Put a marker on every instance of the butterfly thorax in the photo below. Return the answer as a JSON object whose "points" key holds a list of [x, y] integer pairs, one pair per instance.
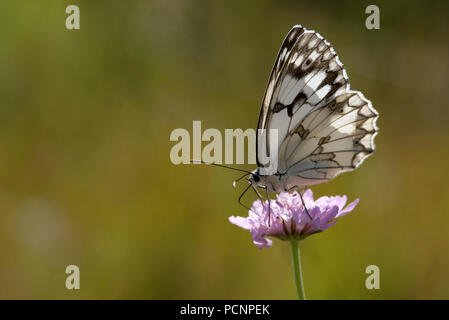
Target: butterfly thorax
{"points": [[278, 182]]}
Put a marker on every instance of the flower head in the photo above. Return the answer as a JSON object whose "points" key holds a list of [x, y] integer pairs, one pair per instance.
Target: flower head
{"points": [[289, 219]]}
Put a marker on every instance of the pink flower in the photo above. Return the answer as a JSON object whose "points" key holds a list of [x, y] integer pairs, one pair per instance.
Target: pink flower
{"points": [[289, 219]]}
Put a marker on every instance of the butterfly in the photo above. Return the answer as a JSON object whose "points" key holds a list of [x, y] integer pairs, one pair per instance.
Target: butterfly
{"points": [[323, 128], [311, 126]]}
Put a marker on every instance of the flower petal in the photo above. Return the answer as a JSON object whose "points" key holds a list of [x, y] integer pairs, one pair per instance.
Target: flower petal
{"points": [[240, 222], [289, 218], [261, 241], [348, 208]]}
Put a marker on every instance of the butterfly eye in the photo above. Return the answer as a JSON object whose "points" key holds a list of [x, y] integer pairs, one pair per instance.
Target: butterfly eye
{"points": [[256, 178]]}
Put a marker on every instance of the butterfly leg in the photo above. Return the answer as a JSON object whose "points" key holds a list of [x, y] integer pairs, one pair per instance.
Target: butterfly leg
{"points": [[258, 194], [302, 200], [241, 196], [303, 203], [243, 193], [269, 203]]}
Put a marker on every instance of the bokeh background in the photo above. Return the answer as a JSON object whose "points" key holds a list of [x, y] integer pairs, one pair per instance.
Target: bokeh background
{"points": [[86, 177]]}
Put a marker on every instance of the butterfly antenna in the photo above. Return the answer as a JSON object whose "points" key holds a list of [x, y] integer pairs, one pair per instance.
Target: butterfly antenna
{"points": [[220, 165]]}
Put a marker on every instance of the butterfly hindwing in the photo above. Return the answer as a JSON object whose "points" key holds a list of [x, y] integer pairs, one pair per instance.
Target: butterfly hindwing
{"points": [[339, 136]]}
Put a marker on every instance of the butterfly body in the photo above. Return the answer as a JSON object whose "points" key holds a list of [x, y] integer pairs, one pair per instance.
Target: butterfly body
{"points": [[279, 182], [322, 127]]}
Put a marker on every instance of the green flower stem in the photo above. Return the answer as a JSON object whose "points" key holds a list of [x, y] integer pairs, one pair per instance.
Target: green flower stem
{"points": [[297, 269]]}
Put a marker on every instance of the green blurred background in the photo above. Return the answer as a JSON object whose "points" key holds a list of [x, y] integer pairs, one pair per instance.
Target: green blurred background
{"points": [[85, 173]]}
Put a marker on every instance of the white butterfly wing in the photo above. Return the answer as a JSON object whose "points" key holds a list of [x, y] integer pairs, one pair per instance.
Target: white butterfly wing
{"points": [[323, 128]]}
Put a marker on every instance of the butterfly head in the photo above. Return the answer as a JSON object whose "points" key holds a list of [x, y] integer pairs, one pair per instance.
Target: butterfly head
{"points": [[255, 178]]}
